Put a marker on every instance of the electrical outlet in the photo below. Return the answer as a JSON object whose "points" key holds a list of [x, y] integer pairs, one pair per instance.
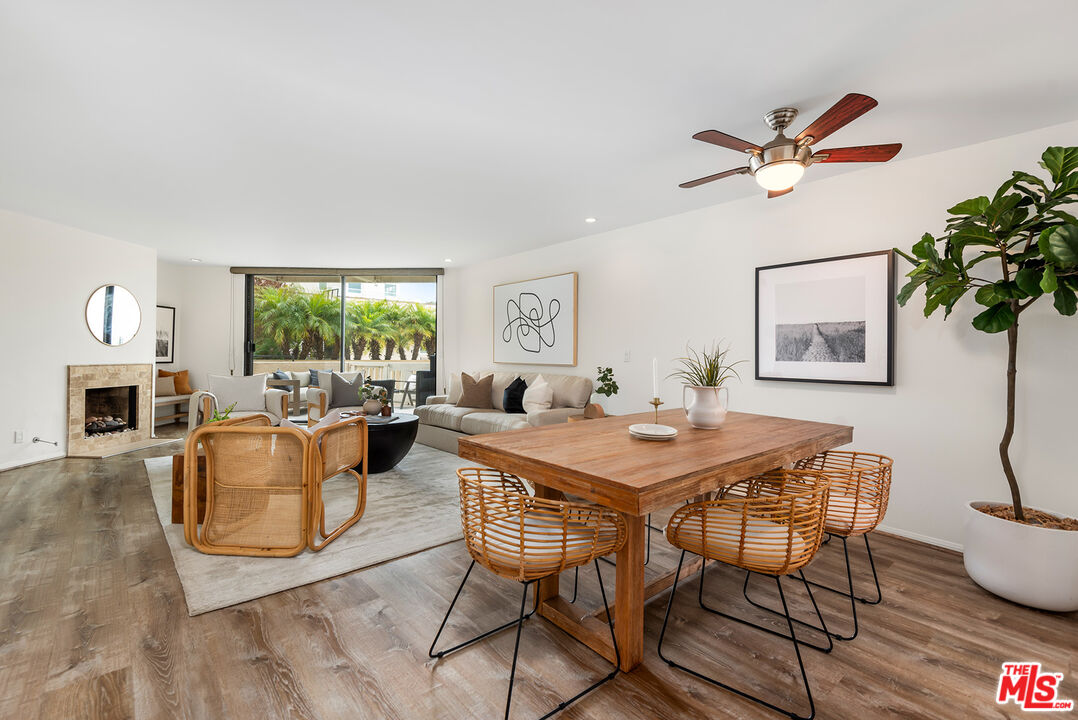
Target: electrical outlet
{"points": [[18, 436], [628, 355]]}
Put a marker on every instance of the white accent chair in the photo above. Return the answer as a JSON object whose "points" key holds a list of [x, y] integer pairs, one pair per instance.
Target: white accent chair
{"points": [[320, 397], [248, 392]]}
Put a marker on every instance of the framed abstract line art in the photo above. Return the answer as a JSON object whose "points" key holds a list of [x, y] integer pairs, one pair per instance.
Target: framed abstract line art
{"points": [[535, 321], [828, 320], [166, 334]]}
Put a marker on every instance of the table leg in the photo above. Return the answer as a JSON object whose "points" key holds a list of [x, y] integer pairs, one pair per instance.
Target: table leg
{"points": [[629, 595], [547, 588]]}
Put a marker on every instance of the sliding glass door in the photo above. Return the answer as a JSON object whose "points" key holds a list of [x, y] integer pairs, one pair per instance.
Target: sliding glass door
{"points": [[384, 325]]}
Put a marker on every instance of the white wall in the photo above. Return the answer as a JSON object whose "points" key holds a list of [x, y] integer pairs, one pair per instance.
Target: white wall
{"points": [[208, 300], [47, 272], [651, 288]]}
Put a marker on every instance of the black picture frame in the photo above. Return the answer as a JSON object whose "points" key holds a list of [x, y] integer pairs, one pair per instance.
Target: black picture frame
{"points": [[889, 301], [169, 314]]}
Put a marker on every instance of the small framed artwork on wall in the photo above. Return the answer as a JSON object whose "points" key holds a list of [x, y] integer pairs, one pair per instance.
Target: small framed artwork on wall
{"points": [[166, 334], [829, 320], [535, 321]]}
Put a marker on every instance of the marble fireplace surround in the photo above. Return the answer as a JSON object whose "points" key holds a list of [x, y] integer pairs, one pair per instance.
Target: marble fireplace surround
{"points": [[83, 377]]}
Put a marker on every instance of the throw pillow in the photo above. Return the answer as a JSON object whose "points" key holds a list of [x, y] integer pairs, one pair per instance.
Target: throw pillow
{"points": [[539, 396], [248, 392], [166, 386], [344, 393], [314, 377], [281, 375], [304, 377], [475, 393], [183, 383], [513, 397]]}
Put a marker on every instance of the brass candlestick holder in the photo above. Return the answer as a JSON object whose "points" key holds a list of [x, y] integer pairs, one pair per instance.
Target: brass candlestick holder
{"points": [[656, 402]]}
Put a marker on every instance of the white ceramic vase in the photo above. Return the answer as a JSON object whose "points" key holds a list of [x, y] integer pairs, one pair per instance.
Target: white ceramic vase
{"points": [[372, 406], [1025, 564], [707, 410]]}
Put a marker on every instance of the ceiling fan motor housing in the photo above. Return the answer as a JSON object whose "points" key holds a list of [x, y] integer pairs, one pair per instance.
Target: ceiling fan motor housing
{"points": [[781, 149]]}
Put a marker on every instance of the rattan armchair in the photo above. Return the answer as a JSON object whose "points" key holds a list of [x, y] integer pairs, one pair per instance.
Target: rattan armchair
{"points": [[524, 538], [860, 489], [335, 450], [771, 525], [257, 490]]}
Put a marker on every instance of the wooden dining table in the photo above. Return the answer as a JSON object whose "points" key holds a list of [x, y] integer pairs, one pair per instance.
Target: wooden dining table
{"points": [[601, 462]]}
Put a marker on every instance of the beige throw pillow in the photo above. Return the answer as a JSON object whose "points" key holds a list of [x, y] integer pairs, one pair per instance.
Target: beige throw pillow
{"points": [[166, 386], [475, 393], [538, 396]]}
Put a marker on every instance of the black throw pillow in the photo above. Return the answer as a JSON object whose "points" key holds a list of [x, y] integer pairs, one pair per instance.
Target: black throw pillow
{"points": [[314, 377], [280, 375], [513, 397]]}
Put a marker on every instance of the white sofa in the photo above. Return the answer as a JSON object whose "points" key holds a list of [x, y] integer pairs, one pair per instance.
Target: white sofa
{"points": [[250, 394], [441, 422]]}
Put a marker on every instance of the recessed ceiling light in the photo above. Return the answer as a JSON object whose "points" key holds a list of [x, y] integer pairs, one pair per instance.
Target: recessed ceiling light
{"points": [[589, 220], [196, 260], [448, 260]]}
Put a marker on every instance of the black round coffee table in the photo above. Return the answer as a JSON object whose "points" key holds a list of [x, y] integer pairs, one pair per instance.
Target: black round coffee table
{"points": [[388, 443]]}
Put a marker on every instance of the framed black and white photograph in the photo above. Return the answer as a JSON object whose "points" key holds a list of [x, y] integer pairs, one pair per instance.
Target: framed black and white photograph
{"points": [[829, 320], [535, 321], [166, 334]]}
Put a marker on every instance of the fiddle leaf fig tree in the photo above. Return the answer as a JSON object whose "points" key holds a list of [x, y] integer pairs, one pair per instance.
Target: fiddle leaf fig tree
{"points": [[1011, 250]]}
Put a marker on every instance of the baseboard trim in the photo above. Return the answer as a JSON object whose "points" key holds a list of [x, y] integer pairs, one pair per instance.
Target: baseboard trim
{"points": [[50, 458], [926, 539]]}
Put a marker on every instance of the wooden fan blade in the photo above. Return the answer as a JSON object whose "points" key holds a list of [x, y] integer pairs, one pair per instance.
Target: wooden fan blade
{"points": [[844, 111], [777, 193], [861, 153], [727, 141], [716, 176]]}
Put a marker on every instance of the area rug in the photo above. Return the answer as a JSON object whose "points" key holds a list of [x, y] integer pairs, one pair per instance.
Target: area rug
{"points": [[410, 508]]}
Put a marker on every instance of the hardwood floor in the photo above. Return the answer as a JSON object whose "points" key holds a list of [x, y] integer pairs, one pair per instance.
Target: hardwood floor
{"points": [[93, 624]]}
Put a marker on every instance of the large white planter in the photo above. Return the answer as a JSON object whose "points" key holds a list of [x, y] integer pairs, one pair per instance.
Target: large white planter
{"points": [[1030, 565]]}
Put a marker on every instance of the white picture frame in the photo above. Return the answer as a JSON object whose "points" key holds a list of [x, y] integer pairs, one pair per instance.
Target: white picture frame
{"points": [[535, 321]]}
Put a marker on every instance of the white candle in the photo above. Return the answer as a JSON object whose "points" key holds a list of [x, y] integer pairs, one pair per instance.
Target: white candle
{"points": [[654, 377]]}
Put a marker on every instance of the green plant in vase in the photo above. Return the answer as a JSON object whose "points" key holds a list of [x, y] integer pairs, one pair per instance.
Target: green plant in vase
{"points": [[219, 416], [607, 385], [705, 373], [1011, 250]]}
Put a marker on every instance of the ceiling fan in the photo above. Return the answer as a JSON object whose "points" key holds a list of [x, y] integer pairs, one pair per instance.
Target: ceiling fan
{"points": [[778, 165]]}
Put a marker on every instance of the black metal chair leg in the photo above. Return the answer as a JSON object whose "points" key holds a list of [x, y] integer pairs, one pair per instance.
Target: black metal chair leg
{"points": [[875, 578], [576, 582], [747, 696], [822, 627], [647, 551], [617, 655], [713, 611], [477, 638], [519, 622], [516, 649]]}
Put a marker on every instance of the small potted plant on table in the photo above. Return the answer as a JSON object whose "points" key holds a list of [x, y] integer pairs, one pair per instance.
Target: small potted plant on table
{"points": [[1029, 243], [705, 373]]}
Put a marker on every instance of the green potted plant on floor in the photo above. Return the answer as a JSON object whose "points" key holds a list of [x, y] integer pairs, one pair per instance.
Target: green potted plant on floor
{"points": [[1028, 244]]}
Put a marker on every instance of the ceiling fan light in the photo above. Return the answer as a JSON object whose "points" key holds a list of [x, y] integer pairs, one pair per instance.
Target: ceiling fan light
{"points": [[779, 175]]}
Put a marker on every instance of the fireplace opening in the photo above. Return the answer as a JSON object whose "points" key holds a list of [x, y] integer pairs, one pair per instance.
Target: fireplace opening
{"points": [[111, 410]]}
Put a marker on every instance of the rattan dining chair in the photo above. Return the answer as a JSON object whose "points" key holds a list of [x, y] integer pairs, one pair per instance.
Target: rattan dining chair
{"points": [[526, 539], [257, 490], [771, 524], [335, 451], [857, 502]]}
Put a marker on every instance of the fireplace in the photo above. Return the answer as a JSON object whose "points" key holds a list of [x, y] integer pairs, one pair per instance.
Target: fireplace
{"points": [[111, 410]]}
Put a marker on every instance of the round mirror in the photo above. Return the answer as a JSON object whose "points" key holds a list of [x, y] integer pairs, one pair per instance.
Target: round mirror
{"points": [[113, 315]]}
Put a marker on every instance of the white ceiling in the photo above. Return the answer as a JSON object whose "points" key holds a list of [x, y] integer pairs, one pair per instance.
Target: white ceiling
{"points": [[374, 133]]}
